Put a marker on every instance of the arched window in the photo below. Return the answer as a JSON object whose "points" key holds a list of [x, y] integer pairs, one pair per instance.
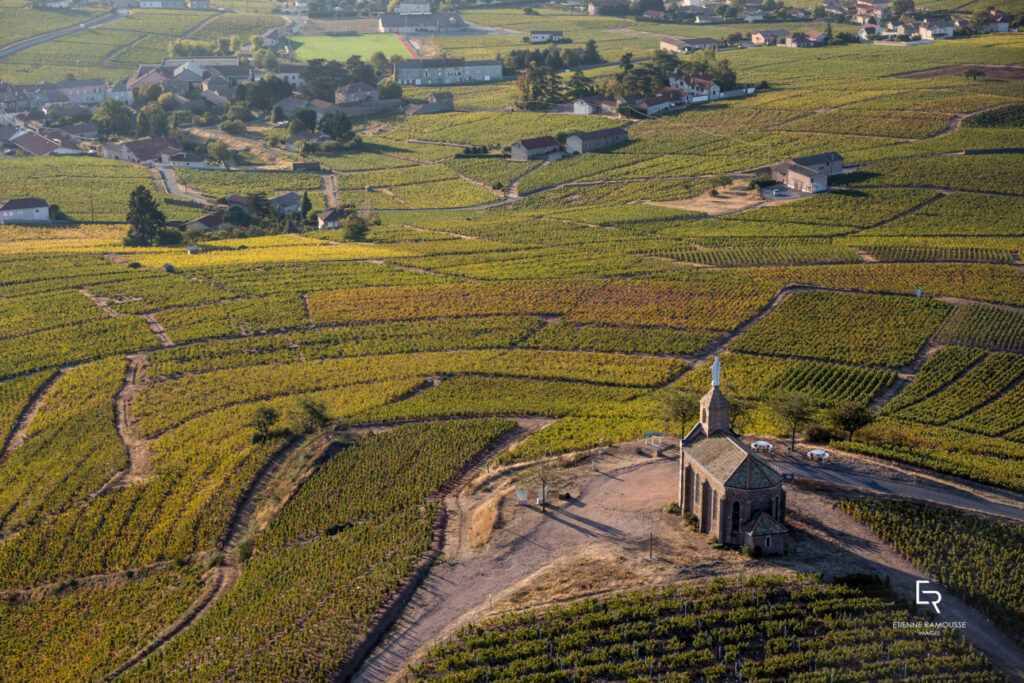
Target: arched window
{"points": [[704, 415], [735, 517]]}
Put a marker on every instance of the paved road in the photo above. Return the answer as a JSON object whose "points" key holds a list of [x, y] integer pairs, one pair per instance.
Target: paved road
{"points": [[31, 41], [892, 487]]}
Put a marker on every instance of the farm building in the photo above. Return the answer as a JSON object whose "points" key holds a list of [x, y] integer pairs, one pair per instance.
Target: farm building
{"points": [[734, 495], [936, 30], [667, 100], [24, 210], [699, 89], [687, 45], [594, 140], [211, 221], [412, 7], [446, 71], [810, 173], [534, 148], [806, 39], [545, 36], [355, 92], [594, 105], [440, 22]]}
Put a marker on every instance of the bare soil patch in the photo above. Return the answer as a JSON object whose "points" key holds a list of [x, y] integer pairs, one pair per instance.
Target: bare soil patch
{"points": [[731, 199], [997, 72]]}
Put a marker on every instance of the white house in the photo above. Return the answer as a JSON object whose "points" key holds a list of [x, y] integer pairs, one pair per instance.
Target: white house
{"points": [[413, 7], [24, 210], [545, 36], [936, 30]]}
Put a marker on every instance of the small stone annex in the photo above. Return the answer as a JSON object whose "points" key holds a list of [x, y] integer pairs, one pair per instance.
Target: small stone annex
{"points": [[735, 496]]}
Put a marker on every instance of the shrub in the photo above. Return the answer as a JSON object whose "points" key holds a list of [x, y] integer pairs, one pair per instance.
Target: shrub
{"points": [[672, 508]]}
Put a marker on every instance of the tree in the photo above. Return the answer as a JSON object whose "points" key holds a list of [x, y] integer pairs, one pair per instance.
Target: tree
{"points": [[150, 92], [379, 62], [973, 73], [590, 53], [979, 20], [314, 415], [901, 7], [263, 420], [179, 119], [355, 229], [266, 59], [626, 61], [389, 89], [793, 409], [113, 118], [278, 115], [303, 120], [233, 127], [167, 101], [151, 121], [219, 152], [145, 220], [579, 85], [264, 93], [678, 406], [336, 125], [306, 205], [849, 417]]}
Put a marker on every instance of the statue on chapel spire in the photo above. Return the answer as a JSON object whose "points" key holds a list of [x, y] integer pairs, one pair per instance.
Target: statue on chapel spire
{"points": [[716, 373]]}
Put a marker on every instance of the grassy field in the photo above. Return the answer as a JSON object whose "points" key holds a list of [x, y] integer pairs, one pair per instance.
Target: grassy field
{"points": [[341, 48]]}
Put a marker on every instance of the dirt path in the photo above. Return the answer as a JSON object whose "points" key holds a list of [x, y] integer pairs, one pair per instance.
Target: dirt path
{"points": [[169, 179], [157, 329], [140, 465], [17, 435], [101, 301], [272, 157], [219, 579]]}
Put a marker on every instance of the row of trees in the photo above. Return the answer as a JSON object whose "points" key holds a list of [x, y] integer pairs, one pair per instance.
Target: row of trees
{"points": [[553, 58]]}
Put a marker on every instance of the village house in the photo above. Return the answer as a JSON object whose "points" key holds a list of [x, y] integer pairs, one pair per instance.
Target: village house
{"points": [[699, 89], [534, 148], [211, 221], [355, 92], [332, 218], [595, 105], [293, 74], [446, 71], [440, 22], [998, 22], [669, 99], [935, 30], [289, 202], [24, 210], [306, 166], [273, 38], [653, 15], [582, 143], [158, 150], [810, 38], [769, 37], [752, 15], [808, 174], [545, 36], [733, 494], [687, 45]]}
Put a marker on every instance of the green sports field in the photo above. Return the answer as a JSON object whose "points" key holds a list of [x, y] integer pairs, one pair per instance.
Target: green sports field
{"points": [[343, 47]]}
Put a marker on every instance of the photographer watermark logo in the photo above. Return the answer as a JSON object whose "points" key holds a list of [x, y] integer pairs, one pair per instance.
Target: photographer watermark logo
{"points": [[920, 593]]}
